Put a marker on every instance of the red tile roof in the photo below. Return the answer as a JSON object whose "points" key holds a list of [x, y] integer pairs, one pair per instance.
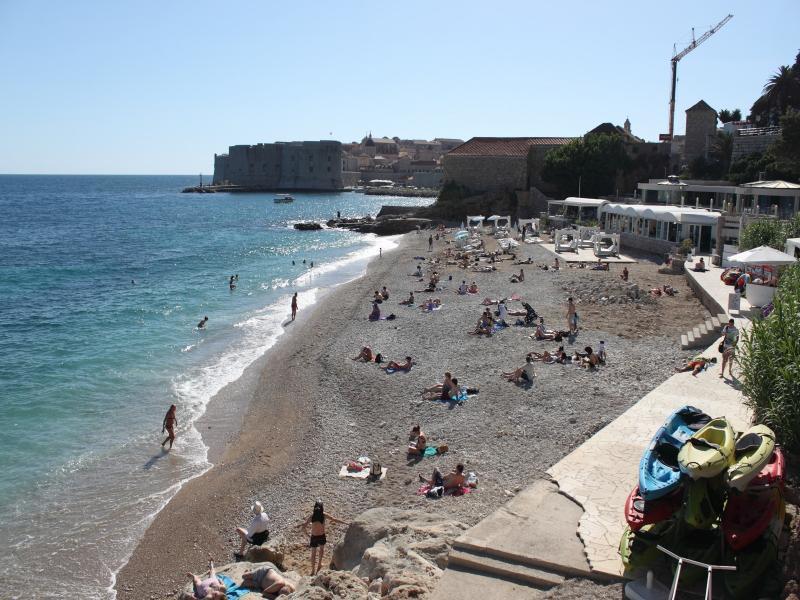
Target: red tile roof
{"points": [[505, 146]]}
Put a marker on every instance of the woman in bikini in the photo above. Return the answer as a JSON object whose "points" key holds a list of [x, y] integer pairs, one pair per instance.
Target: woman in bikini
{"points": [[317, 538], [170, 421], [210, 588]]}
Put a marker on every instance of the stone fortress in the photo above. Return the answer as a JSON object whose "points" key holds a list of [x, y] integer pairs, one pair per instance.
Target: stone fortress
{"points": [[286, 166]]}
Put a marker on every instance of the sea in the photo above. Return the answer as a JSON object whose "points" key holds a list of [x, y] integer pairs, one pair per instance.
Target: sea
{"points": [[103, 280]]}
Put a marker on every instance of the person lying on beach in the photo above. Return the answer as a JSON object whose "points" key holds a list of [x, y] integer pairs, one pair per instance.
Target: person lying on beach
{"points": [[420, 441], [431, 288], [375, 315], [366, 355], [600, 266], [542, 333], [431, 304], [452, 481], [462, 289], [317, 538], [256, 533], [624, 275], [267, 580], [518, 278], [697, 364], [590, 360], [525, 373], [210, 588], [410, 300], [473, 288], [544, 357], [527, 261], [396, 366]]}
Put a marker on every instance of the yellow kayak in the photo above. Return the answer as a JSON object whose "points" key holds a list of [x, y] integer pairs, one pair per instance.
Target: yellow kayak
{"points": [[753, 451], [709, 451]]}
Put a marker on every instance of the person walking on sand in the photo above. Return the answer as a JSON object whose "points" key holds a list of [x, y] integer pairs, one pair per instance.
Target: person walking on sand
{"points": [[729, 340], [430, 243], [294, 306], [572, 316], [169, 424], [317, 538]]}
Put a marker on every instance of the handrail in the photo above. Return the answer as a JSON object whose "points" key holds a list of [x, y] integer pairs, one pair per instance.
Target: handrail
{"points": [[709, 568]]}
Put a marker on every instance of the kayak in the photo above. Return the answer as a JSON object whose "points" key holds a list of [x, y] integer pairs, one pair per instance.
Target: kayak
{"points": [[753, 451], [702, 545], [704, 501], [772, 475], [747, 515], [709, 451], [755, 564], [638, 548], [640, 512], [659, 474]]}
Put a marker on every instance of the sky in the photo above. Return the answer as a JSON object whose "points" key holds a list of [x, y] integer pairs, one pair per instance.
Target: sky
{"points": [[149, 87]]}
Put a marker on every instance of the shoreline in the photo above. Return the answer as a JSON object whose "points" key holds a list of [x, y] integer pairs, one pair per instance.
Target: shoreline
{"points": [[223, 421], [330, 409]]}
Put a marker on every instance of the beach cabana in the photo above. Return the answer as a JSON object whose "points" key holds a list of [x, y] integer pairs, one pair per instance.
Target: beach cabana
{"points": [[532, 225], [605, 244], [565, 240], [761, 294], [793, 247], [499, 222], [475, 223], [586, 236]]}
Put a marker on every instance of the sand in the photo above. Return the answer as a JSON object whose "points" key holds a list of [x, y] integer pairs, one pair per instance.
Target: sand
{"points": [[305, 408]]}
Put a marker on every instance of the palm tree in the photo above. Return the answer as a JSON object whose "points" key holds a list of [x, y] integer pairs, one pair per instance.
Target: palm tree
{"points": [[783, 89]]}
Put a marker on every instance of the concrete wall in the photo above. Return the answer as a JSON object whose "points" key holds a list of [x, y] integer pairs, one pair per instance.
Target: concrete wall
{"points": [[486, 173], [750, 144], [282, 165], [659, 247]]}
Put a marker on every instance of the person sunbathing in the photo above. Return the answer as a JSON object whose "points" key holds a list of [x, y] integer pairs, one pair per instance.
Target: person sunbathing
{"points": [[375, 315], [462, 289], [544, 357], [473, 288], [437, 387], [452, 481], [527, 261], [410, 300], [385, 293], [420, 441], [542, 333], [377, 297], [430, 304], [267, 580], [700, 265], [697, 364], [396, 366], [524, 374], [600, 266], [366, 355], [669, 290], [489, 301], [210, 588]]}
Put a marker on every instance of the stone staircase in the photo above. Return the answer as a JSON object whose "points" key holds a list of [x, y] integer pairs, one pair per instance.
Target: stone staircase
{"points": [[487, 562], [704, 334]]}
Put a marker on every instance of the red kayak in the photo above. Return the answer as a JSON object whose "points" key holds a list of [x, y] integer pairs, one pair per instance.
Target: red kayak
{"points": [[772, 473], [640, 512], [747, 515]]}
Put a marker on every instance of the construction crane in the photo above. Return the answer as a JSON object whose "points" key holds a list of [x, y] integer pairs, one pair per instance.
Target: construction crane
{"points": [[677, 57]]}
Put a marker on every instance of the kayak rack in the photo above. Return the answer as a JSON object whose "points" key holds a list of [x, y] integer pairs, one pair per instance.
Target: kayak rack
{"points": [[673, 591]]}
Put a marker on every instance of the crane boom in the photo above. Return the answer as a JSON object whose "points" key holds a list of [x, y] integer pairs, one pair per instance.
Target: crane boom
{"points": [[677, 57]]}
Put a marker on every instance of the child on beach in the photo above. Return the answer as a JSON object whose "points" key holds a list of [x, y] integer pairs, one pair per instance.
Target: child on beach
{"points": [[170, 421], [317, 538]]}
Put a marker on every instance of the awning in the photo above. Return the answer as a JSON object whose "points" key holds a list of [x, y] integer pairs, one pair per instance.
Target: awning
{"points": [[763, 255]]}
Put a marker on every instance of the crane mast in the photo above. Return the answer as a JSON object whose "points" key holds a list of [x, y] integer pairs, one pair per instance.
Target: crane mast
{"points": [[677, 57]]}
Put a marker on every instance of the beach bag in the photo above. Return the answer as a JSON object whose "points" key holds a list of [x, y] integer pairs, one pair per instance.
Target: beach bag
{"points": [[391, 317], [375, 471], [721, 347], [379, 358]]}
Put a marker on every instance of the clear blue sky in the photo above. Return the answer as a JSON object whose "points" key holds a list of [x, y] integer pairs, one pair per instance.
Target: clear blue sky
{"points": [[158, 87]]}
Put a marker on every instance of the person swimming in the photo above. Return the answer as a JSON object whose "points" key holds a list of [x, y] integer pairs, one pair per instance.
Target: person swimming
{"points": [[202, 323]]}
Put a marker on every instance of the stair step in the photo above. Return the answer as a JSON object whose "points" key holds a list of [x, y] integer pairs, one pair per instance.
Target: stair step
{"points": [[684, 342], [710, 328], [715, 322], [703, 330], [722, 318], [690, 337], [483, 563]]}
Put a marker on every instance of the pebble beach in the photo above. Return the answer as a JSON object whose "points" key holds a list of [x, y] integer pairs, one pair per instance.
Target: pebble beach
{"points": [[282, 432]]}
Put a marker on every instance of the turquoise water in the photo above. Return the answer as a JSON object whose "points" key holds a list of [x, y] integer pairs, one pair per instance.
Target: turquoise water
{"points": [[102, 283]]}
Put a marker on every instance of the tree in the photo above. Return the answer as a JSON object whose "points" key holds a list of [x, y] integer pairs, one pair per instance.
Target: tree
{"points": [[787, 150], [597, 160], [763, 232], [726, 116], [781, 92]]}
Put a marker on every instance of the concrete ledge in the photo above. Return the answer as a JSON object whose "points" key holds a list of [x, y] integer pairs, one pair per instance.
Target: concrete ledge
{"points": [[517, 572]]}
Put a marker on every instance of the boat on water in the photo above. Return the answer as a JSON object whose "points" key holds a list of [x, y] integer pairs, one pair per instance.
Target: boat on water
{"points": [[283, 199]]}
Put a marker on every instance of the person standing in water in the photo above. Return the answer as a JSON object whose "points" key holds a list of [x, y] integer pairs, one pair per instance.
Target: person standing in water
{"points": [[294, 306], [169, 424]]}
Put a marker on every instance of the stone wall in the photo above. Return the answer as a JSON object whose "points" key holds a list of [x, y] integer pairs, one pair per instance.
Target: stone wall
{"points": [[486, 173], [744, 145], [658, 247], [701, 127], [282, 166]]}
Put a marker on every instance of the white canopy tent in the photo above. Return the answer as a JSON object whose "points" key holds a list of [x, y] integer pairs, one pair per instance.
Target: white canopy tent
{"points": [[500, 222], [763, 255], [565, 240], [793, 246], [586, 236], [475, 223]]}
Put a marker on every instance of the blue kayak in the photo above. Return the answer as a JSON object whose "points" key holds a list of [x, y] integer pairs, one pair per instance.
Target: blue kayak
{"points": [[659, 473]]}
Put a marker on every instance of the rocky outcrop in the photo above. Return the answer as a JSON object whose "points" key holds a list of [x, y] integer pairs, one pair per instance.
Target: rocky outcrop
{"points": [[235, 572], [330, 585], [308, 226], [382, 226]]}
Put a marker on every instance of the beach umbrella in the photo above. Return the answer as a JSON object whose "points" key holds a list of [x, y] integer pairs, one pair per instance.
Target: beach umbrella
{"points": [[460, 235], [763, 255]]}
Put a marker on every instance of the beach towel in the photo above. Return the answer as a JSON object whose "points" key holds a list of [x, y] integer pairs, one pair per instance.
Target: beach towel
{"points": [[460, 398], [498, 326], [232, 589], [516, 296], [430, 451], [423, 491], [363, 474], [390, 371], [426, 309]]}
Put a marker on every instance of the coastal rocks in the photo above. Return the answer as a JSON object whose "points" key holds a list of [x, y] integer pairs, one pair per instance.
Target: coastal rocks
{"points": [[308, 226], [329, 584], [406, 550], [267, 553], [382, 226], [235, 572]]}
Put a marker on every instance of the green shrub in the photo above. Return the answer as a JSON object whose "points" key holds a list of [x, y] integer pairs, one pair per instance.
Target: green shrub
{"points": [[769, 357], [763, 232], [686, 246]]}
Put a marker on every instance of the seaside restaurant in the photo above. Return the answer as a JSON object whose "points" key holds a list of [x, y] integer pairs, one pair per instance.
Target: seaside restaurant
{"points": [[665, 223]]}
